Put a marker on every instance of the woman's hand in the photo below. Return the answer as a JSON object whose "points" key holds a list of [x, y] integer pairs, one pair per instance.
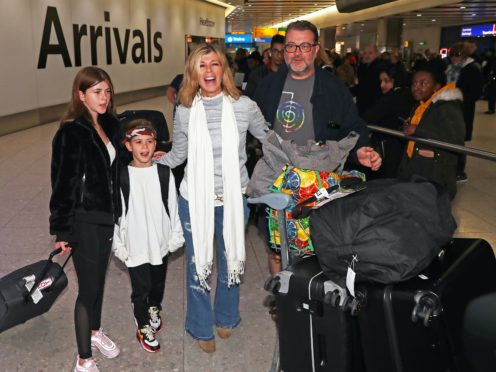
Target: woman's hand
{"points": [[158, 154], [64, 246], [369, 158]]}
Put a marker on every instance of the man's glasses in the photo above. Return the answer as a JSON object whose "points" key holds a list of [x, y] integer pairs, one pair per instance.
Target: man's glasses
{"points": [[304, 47]]}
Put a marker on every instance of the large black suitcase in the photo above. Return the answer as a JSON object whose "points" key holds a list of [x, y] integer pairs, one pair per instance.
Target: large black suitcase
{"points": [[46, 280], [417, 325], [314, 325]]}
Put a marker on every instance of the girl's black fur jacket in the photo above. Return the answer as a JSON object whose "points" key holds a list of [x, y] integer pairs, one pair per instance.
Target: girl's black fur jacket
{"points": [[84, 185]]}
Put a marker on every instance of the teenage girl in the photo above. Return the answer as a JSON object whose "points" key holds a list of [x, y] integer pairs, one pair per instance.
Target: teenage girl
{"points": [[83, 204]]}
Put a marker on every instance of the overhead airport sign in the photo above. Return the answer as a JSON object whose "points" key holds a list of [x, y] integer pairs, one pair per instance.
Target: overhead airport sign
{"points": [[479, 30], [238, 39]]}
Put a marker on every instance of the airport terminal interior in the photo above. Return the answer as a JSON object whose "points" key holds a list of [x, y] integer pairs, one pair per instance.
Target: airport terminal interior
{"points": [[47, 343]]}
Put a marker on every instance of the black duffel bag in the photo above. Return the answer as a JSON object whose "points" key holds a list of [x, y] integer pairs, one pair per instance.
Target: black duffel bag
{"points": [[389, 232]]}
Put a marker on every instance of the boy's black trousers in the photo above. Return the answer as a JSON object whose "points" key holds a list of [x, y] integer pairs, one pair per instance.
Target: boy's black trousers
{"points": [[148, 285]]}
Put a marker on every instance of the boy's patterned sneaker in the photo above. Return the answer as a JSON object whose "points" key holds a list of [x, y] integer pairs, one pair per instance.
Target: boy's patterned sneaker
{"points": [[104, 344], [88, 366], [155, 320], [146, 337]]}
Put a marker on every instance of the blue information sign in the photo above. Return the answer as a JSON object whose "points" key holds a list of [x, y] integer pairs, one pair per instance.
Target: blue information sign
{"points": [[479, 30], [238, 39]]}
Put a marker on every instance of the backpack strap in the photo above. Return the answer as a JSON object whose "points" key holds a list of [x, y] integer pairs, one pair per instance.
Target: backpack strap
{"points": [[124, 183], [163, 177]]}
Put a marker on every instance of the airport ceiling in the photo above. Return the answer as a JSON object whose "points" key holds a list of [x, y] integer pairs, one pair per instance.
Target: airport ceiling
{"points": [[259, 13]]}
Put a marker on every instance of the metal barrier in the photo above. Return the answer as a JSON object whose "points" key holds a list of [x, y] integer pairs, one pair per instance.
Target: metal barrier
{"points": [[440, 144]]}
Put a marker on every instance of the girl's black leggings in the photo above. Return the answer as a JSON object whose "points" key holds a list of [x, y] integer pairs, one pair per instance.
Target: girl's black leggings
{"points": [[91, 252]]}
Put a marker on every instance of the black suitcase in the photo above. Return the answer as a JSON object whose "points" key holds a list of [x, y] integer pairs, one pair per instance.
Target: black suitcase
{"points": [[315, 328], [417, 325], [18, 303]]}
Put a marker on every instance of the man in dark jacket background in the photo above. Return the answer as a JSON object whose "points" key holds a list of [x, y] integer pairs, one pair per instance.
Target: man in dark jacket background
{"points": [[368, 91], [276, 53], [467, 75]]}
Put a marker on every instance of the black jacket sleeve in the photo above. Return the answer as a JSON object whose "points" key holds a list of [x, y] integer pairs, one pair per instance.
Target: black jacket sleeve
{"points": [[66, 178]]}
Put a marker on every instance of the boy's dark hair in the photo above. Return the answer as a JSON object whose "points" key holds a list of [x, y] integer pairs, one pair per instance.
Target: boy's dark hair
{"points": [[277, 39], [302, 25], [140, 124], [400, 76]]}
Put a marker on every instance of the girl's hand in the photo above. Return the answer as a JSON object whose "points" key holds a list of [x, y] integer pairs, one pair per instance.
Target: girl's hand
{"points": [[64, 246]]}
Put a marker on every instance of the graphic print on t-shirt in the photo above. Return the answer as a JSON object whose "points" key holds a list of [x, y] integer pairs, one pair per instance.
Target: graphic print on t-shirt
{"points": [[294, 116], [290, 114]]}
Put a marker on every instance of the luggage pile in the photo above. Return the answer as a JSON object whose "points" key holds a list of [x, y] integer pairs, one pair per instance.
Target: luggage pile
{"points": [[387, 288]]}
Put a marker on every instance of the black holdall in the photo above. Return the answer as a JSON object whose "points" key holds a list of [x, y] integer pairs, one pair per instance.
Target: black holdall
{"points": [[388, 232]]}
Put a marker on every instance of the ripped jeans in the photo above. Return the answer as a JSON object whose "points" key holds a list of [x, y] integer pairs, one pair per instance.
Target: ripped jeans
{"points": [[200, 317]]}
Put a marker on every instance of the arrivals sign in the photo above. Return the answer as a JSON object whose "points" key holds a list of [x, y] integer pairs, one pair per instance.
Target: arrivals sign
{"points": [[144, 46], [479, 30]]}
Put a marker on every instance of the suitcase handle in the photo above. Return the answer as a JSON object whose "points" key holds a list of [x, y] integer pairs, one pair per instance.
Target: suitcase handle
{"points": [[45, 270], [54, 253]]}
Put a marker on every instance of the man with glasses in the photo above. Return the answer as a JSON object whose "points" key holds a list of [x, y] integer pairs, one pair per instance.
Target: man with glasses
{"points": [[301, 102], [276, 55]]}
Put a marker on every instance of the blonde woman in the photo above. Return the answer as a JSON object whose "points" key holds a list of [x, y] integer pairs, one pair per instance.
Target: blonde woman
{"points": [[210, 129]]}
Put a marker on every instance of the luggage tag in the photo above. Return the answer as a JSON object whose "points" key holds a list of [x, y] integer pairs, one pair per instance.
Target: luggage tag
{"points": [[350, 276], [321, 194], [36, 295]]}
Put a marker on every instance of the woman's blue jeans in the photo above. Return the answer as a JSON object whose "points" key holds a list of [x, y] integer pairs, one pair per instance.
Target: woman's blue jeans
{"points": [[200, 317]]}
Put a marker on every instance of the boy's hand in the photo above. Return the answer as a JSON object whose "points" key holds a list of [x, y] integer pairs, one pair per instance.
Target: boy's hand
{"points": [[158, 154], [64, 246]]}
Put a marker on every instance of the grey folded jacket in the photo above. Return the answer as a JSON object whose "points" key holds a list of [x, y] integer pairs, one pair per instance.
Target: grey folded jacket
{"points": [[328, 157]]}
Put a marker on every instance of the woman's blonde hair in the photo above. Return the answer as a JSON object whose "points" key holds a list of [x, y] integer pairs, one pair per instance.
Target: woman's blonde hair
{"points": [[86, 78], [191, 85]]}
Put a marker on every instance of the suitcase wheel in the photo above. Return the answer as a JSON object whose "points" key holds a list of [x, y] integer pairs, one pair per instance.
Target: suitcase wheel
{"points": [[332, 298], [355, 304], [427, 306]]}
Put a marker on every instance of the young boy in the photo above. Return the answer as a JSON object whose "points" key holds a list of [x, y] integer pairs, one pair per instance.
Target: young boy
{"points": [[148, 229]]}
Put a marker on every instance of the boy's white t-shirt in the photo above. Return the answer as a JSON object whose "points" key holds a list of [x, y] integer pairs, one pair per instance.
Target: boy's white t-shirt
{"points": [[145, 233]]}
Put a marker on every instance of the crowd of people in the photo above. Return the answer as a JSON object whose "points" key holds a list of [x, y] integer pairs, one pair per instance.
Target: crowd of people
{"points": [[296, 88], [364, 73]]}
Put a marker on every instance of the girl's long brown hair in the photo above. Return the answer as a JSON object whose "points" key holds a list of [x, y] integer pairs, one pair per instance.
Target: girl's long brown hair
{"points": [[191, 85], [86, 78]]}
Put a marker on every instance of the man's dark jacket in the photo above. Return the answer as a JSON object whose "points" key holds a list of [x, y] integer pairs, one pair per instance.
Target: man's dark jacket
{"points": [[334, 113], [368, 91]]}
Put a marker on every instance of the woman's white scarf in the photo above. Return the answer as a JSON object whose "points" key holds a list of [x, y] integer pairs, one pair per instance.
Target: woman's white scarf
{"points": [[201, 192]]}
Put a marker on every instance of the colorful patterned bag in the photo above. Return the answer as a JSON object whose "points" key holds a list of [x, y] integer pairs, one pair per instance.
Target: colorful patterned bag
{"points": [[301, 184]]}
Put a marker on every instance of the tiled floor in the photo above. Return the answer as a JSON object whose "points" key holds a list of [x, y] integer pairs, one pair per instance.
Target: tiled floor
{"points": [[47, 343]]}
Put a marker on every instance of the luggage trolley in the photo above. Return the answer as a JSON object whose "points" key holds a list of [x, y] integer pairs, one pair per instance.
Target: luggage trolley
{"points": [[310, 307]]}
